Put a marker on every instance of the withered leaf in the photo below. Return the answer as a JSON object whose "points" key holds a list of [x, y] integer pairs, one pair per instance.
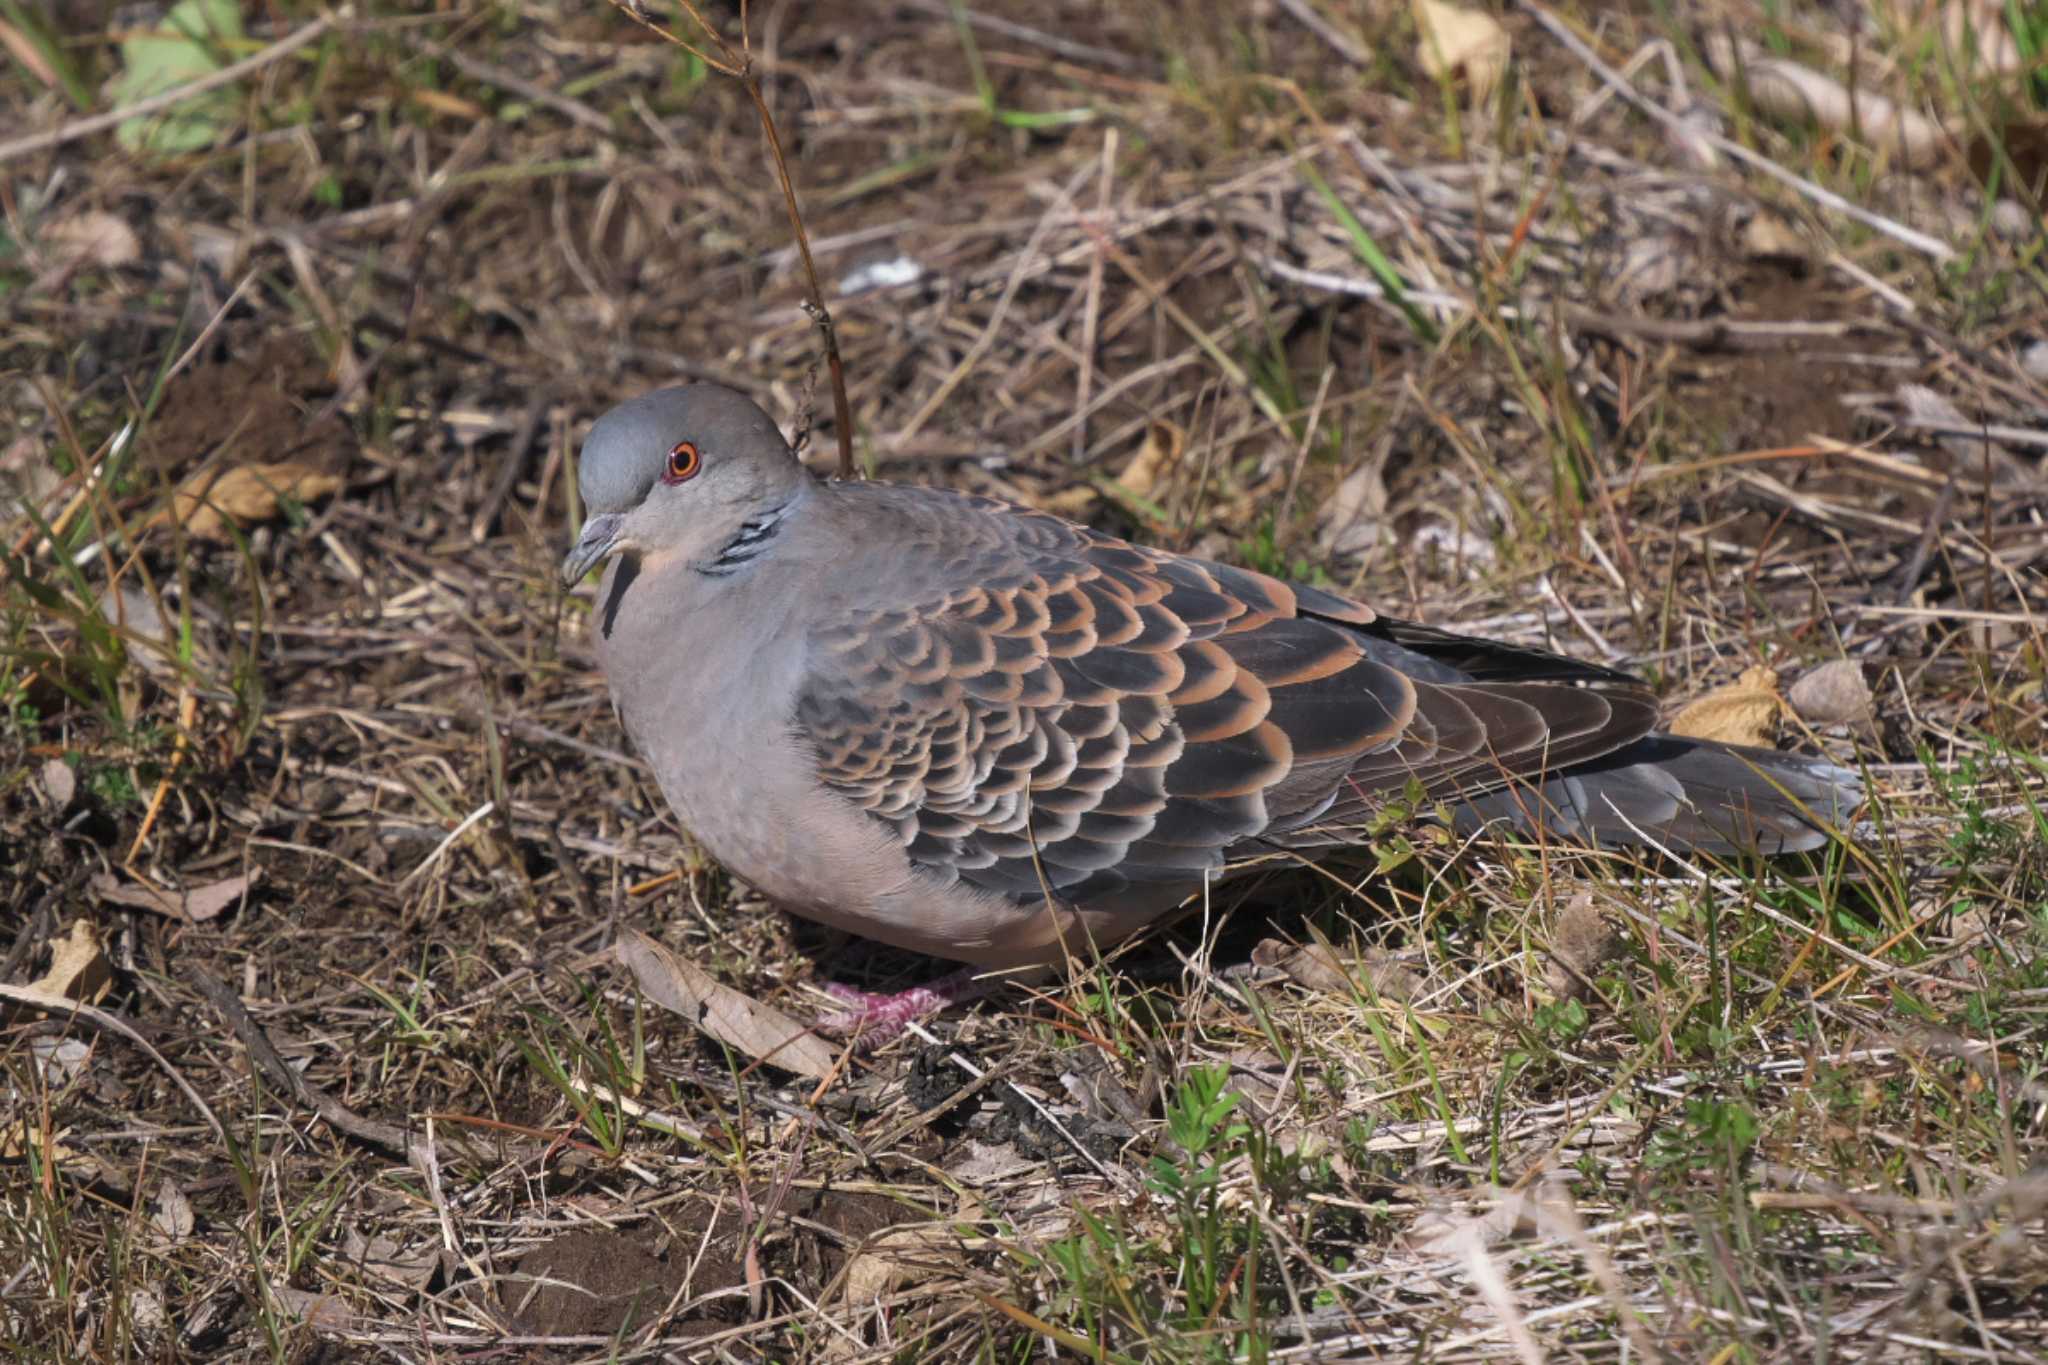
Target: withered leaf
{"points": [[1743, 712], [758, 1030], [1452, 39], [1318, 967], [194, 906], [208, 501], [1832, 694], [79, 969]]}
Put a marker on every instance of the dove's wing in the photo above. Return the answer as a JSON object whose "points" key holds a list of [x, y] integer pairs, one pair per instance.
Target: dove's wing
{"points": [[1031, 705]]}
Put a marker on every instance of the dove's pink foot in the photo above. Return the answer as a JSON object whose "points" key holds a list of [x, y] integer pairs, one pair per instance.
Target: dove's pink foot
{"points": [[873, 1019]]}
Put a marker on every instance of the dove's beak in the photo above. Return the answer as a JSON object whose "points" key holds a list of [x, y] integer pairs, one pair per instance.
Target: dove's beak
{"points": [[600, 537]]}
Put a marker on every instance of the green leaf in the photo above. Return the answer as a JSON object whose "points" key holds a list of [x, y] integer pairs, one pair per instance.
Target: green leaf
{"points": [[192, 42]]}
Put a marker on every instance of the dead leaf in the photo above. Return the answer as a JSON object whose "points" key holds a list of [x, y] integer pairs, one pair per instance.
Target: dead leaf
{"points": [[79, 969], [1973, 455], [92, 238], [1157, 456], [1653, 264], [1160, 453], [382, 1256], [1691, 135], [60, 784], [1450, 39], [153, 642], [1767, 237], [1450, 1241], [1318, 967], [2034, 360], [894, 1258], [194, 906], [146, 1311], [208, 501], [1974, 32], [173, 1217], [1447, 1228], [18, 1141], [721, 1012], [63, 1060], [1580, 944], [1797, 92], [1832, 694], [980, 1164], [1351, 518], [324, 1313], [1743, 712]]}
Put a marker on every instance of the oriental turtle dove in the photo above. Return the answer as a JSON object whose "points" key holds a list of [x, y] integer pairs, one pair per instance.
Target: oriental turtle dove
{"points": [[982, 732]]}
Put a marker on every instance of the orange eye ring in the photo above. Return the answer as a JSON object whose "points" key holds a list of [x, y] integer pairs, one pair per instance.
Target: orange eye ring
{"points": [[683, 462]]}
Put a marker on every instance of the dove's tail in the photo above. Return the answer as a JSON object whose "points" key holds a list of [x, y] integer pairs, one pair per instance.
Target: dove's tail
{"points": [[1680, 795]]}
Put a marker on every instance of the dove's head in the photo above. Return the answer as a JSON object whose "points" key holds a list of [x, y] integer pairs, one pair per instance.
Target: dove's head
{"points": [[686, 472]]}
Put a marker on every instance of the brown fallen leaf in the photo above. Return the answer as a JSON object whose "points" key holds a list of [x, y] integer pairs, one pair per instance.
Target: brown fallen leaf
{"points": [[758, 1030], [60, 784], [91, 238], [79, 969], [327, 1314], [19, 1141], [1156, 458], [1794, 91], [1768, 237], [1581, 942], [1318, 967], [1743, 712], [1971, 456], [174, 1217], [1832, 694], [195, 905], [207, 502], [1450, 39], [169, 651], [381, 1256], [896, 1257], [1351, 518]]}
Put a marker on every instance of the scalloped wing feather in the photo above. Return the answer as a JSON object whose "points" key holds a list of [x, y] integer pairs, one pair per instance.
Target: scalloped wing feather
{"points": [[1038, 707]]}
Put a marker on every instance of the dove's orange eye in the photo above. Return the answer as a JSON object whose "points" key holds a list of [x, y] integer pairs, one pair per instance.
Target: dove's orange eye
{"points": [[683, 462]]}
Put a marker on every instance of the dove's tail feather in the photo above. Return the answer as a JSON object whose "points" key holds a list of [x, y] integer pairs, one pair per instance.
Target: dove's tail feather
{"points": [[1680, 795]]}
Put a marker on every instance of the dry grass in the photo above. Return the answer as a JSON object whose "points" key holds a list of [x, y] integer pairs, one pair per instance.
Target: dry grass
{"points": [[1633, 395]]}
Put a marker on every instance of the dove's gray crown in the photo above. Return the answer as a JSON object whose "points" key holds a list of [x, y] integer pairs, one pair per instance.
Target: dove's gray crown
{"points": [[627, 447], [983, 732]]}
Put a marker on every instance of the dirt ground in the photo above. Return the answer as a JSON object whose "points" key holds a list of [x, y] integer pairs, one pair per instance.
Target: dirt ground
{"points": [[334, 789]]}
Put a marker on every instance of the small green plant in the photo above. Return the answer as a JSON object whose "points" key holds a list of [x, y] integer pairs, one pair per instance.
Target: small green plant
{"points": [[1201, 1122], [1261, 551], [193, 41], [2029, 26], [1981, 832], [1711, 1135], [985, 90], [409, 1013], [1561, 1021], [1209, 1250], [1372, 256], [596, 1075]]}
